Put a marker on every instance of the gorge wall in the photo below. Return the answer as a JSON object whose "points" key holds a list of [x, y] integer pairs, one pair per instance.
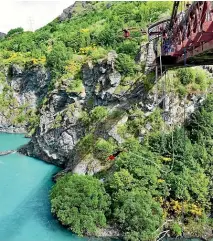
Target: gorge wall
{"points": [[61, 126], [21, 91]]}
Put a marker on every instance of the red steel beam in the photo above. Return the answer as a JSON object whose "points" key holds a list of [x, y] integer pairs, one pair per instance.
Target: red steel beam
{"points": [[199, 50]]}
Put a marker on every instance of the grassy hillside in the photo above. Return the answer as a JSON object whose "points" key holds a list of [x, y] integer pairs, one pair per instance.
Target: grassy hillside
{"points": [[89, 33]]}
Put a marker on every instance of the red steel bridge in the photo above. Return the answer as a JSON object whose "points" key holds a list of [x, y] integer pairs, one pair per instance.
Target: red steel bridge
{"points": [[184, 39]]}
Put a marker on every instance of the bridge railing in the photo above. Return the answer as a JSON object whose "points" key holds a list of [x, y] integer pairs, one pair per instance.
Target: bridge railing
{"points": [[156, 30], [190, 29]]}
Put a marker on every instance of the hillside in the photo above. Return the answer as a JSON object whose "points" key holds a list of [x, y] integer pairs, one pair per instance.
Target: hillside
{"points": [[79, 89]]}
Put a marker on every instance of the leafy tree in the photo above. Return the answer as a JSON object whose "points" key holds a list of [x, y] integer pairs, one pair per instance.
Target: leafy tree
{"points": [[98, 113], [186, 75], [128, 47], [80, 202], [138, 215], [189, 185], [58, 58], [125, 64], [143, 166], [120, 180], [15, 31]]}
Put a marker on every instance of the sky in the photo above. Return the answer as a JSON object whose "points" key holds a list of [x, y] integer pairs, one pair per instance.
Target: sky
{"points": [[29, 15]]}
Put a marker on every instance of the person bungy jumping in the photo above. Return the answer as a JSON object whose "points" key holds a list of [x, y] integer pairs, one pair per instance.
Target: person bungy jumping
{"points": [[114, 155], [126, 33]]}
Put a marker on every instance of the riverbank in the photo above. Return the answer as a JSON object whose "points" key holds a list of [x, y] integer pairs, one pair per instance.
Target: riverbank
{"points": [[12, 130]]}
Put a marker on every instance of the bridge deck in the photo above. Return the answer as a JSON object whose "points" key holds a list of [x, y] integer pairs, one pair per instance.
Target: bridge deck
{"points": [[187, 38]]}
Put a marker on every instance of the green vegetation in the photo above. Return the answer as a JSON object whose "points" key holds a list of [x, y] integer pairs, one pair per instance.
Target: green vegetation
{"points": [[167, 175], [103, 149], [185, 81], [176, 229], [186, 75], [57, 58], [75, 86], [98, 114], [80, 203], [91, 33], [15, 31], [138, 215], [63, 47], [125, 64]]}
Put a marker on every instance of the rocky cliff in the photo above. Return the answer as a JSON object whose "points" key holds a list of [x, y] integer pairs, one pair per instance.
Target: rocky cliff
{"points": [[62, 127], [21, 90], [77, 7]]}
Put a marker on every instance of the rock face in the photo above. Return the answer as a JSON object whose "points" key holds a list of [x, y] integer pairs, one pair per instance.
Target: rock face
{"points": [[27, 87], [55, 143], [75, 8], [2, 35], [61, 128]]}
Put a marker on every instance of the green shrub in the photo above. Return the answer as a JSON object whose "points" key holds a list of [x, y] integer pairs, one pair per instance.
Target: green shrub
{"points": [[186, 75], [128, 47], [86, 144], [85, 118], [138, 215], [80, 202], [57, 58], [176, 229], [201, 79], [182, 91], [75, 85], [195, 87], [103, 149], [122, 130], [98, 53], [20, 118], [99, 113], [125, 64], [15, 31]]}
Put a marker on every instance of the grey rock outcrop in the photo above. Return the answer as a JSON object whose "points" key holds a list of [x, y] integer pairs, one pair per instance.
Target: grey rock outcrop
{"points": [[60, 128], [75, 8], [2, 35], [55, 142], [28, 87]]}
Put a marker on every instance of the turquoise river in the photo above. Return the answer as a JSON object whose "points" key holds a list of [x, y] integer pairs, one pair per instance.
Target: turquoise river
{"points": [[24, 205], [25, 183]]}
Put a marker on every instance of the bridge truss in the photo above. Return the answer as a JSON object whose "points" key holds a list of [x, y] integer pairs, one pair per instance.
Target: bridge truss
{"points": [[186, 37]]}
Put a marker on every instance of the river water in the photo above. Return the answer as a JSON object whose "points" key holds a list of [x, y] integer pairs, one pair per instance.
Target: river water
{"points": [[24, 204]]}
